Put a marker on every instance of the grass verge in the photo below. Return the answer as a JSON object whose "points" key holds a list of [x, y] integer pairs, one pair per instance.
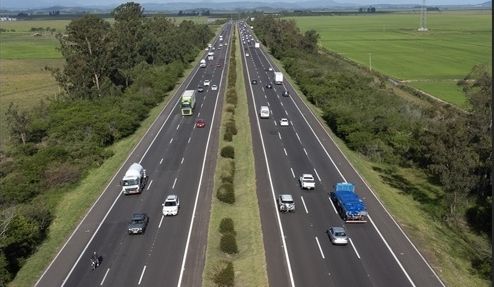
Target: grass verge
{"points": [[73, 205], [249, 263]]}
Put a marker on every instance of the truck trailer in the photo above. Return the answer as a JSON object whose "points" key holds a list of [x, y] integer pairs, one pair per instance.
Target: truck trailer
{"points": [[188, 102], [134, 180], [348, 204], [278, 78]]}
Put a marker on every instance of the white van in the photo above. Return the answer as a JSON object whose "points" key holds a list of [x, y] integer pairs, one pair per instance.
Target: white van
{"points": [[264, 112]]}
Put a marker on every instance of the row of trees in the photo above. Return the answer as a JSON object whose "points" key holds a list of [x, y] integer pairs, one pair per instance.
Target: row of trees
{"points": [[113, 75], [453, 147]]}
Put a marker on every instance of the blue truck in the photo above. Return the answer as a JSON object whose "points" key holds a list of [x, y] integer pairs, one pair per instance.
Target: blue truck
{"points": [[348, 204]]}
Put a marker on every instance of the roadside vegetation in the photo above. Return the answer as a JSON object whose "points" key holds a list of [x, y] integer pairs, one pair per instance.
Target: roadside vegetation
{"points": [[391, 44], [235, 252], [112, 78], [431, 158]]}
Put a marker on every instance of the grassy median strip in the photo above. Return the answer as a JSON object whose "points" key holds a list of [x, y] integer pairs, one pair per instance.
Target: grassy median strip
{"points": [[249, 263], [73, 205], [447, 251]]}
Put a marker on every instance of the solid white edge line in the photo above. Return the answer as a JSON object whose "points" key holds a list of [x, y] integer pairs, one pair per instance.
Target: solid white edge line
{"points": [[104, 277], [305, 206], [108, 185], [161, 221], [149, 186], [354, 248], [184, 259], [282, 235], [142, 275], [320, 249]]}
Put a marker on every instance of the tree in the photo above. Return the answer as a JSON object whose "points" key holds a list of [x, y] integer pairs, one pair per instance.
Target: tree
{"points": [[18, 122], [86, 50]]}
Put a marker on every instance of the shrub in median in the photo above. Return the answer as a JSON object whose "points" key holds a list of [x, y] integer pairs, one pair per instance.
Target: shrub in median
{"points": [[226, 193], [225, 275], [230, 108], [228, 152], [231, 127], [227, 172], [228, 243], [226, 226]]}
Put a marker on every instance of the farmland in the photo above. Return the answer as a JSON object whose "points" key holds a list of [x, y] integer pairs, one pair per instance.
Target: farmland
{"points": [[431, 61]]}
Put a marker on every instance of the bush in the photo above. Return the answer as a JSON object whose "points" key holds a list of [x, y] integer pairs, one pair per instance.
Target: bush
{"points": [[225, 275], [230, 109], [228, 244], [230, 127], [226, 193], [227, 171], [228, 152], [226, 226], [228, 136]]}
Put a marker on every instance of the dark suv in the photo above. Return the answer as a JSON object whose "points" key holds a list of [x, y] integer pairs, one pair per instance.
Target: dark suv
{"points": [[138, 223]]}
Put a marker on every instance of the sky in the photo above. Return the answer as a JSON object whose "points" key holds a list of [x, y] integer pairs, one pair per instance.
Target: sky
{"points": [[72, 3]]}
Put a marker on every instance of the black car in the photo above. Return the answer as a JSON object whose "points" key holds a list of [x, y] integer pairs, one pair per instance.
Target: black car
{"points": [[200, 89], [138, 223], [285, 94], [254, 82], [269, 86]]}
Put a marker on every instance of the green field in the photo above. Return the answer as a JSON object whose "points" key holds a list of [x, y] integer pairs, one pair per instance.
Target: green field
{"points": [[391, 44]]}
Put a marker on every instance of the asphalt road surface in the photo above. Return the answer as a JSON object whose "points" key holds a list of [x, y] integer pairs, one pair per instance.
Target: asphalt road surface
{"points": [[179, 159], [298, 250]]}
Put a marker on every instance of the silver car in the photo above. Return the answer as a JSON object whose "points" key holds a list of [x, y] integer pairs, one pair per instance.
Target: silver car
{"points": [[337, 235]]}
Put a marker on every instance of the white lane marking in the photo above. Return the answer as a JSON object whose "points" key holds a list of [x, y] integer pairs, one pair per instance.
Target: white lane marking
{"points": [[189, 140], [291, 123], [282, 234], [281, 102], [298, 137], [284, 149], [182, 268], [182, 161], [178, 126], [142, 274], [306, 152], [320, 249], [286, 112], [269, 104], [171, 140], [104, 277], [161, 221], [317, 175], [354, 248], [149, 186], [293, 174], [174, 182], [265, 96], [199, 114], [161, 161], [332, 204], [390, 250], [275, 123], [279, 135], [305, 206]]}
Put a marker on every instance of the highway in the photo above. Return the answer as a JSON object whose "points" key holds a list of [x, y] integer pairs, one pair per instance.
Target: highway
{"points": [[179, 159], [298, 250]]}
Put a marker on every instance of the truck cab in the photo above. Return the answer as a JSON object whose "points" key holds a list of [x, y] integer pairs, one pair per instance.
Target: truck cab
{"points": [[134, 179]]}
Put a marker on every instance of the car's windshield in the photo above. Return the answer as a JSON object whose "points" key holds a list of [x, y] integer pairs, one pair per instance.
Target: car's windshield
{"points": [[339, 233], [170, 203], [137, 221]]}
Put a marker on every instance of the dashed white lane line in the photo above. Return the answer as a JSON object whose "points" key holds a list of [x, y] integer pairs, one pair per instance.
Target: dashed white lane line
{"points": [[317, 175], [354, 249], [104, 277], [298, 137], [202, 105], [161, 221], [332, 204], [189, 140], [305, 206], [161, 161], [174, 182], [275, 123], [284, 149], [279, 135], [142, 275], [149, 186], [199, 114], [182, 161], [171, 140], [286, 112], [178, 126], [293, 174], [281, 102], [320, 249], [269, 105], [306, 152]]}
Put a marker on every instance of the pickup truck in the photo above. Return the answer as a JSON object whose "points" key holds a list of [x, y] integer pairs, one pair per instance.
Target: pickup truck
{"points": [[307, 181], [286, 203]]}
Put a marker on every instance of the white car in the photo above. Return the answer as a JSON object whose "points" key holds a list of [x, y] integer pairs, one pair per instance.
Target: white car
{"points": [[214, 88], [284, 122], [171, 205], [246, 54], [207, 82]]}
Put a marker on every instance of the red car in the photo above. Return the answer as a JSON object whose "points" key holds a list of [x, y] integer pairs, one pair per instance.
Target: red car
{"points": [[200, 123]]}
